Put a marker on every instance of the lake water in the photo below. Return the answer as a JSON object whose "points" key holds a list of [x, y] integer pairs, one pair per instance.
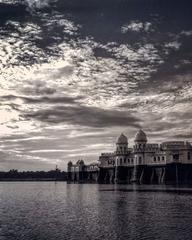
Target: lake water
{"points": [[49, 211]]}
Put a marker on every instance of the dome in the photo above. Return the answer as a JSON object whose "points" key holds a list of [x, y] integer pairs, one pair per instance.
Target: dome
{"points": [[122, 139], [140, 136], [80, 162], [70, 163]]}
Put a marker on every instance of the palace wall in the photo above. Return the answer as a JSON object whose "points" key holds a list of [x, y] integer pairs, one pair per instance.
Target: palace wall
{"points": [[145, 163]]}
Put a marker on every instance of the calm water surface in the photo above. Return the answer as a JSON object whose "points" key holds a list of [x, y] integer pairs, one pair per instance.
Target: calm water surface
{"points": [[48, 210]]}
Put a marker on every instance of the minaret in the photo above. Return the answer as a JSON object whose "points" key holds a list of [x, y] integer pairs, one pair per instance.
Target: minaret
{"points": [[69, 171], [121, 151], [140, 140], [139, 152], [122, 145]]}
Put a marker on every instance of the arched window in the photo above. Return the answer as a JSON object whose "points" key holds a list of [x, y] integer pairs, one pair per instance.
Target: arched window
{"points": [[120, 161], [163, 158], [154, 159], [158, 158], [124, 160]]}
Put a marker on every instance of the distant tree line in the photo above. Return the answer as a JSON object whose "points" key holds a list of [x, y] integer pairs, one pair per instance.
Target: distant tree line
{"points": [[15, 175]]}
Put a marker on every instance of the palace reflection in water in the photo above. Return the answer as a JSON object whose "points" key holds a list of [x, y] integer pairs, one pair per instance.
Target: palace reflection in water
{"points": [[45, 210]]}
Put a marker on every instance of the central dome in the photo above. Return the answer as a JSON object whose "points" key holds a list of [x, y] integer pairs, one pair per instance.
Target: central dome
{"points": [[122, 139], [140, 136]]}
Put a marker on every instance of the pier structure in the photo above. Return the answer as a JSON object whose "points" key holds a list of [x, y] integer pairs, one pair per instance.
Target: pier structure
{"points": [[79, 172]]}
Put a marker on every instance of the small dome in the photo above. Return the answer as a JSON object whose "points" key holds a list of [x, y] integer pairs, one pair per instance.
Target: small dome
{"points": [[140, 136], [80, 162], [70, 163], [122, 139]]}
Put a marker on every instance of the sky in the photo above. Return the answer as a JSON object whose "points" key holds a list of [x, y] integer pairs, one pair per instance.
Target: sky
{"points": [[76, 74]]}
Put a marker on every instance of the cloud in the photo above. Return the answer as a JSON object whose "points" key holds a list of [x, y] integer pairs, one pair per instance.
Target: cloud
{"points": [[23, 139], [137, 26], [69, 87], [173, 45], [186, 136], [12, 160], [186, 33], [37, 4], [85, 116], [40, 100]]}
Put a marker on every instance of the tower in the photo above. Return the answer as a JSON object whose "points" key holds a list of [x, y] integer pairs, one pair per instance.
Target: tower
{"points": [[120, 154], [139, 147], [122, 145], [140, 139], [139, 154], [69, 171], [80, 174]]}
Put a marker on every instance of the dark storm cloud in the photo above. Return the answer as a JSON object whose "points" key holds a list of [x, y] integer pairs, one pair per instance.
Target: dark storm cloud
{"points": [[85, 116]]}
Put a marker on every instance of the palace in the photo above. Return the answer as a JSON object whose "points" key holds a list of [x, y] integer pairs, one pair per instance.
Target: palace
{"points": [[168, 162]]}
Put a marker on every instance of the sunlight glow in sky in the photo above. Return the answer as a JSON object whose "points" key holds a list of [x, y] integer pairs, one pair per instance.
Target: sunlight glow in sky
{"points": [[73, 80]]}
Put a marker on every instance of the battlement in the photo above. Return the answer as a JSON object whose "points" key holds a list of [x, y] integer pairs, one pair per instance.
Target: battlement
{"points": [[142, 155]]}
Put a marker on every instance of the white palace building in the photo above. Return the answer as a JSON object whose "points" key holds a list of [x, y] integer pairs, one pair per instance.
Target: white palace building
{"points": [[169, 161], [144, 153]]}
